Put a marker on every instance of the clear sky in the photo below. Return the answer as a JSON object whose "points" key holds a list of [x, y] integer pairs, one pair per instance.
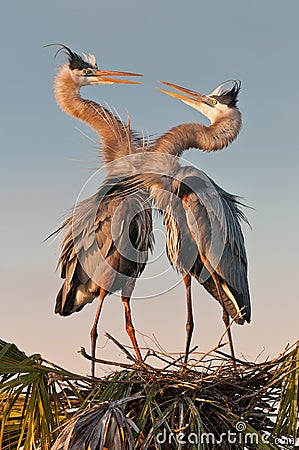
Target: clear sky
{"points": [[46, 157]]}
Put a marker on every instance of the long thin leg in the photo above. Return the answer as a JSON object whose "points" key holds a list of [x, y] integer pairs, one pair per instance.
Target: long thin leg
{"points": [[94, 330], [225, 318], [129, 325], [189, 322]]}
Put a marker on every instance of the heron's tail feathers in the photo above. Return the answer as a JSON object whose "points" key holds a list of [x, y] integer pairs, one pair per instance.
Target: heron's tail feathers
{"points": [[233, 303], [72, 298]]}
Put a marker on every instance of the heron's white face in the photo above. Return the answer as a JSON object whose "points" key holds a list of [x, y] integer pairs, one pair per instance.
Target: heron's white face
{"points": [[87, 76], [210, 105], [213, 112]]}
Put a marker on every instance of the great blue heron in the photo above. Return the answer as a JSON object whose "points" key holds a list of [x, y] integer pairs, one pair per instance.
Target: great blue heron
{"points": [[203, 233], [107, 239]]}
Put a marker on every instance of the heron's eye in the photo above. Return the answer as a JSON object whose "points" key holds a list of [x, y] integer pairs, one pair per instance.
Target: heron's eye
{"points": [[214, 101], [87, 71]]}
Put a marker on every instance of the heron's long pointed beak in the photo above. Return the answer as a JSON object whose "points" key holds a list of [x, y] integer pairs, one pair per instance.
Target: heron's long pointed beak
{"points": [[192, 97], [103, 74]]}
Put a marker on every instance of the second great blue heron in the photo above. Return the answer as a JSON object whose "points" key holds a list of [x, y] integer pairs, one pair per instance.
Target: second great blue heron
{"points": [[203, 233]]}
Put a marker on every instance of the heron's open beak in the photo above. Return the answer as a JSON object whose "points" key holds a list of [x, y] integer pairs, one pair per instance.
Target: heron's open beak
{"points": [[102, 75], [192, 98]]}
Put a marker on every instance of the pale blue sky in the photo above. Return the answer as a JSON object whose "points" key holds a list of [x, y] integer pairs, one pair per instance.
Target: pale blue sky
{"points": [[46, 157]]}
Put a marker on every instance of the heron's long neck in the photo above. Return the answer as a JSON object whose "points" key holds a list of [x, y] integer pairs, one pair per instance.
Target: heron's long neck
{"points": [[116, 137], [194, 135]]}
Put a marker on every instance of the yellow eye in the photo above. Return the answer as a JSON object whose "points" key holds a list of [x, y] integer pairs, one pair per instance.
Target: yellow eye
{"points": [[214, 101], [87, 71]]}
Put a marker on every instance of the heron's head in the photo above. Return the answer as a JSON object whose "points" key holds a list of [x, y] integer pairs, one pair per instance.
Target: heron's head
{"points": [[84, 70], [220, 103]]}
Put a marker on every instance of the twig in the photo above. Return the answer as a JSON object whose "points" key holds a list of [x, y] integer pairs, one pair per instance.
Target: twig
{"points": [[180, 358], [119, 345], [219, 345], [104, 361], [169, 363], [245, 363], [161, 350], [129, 356]]}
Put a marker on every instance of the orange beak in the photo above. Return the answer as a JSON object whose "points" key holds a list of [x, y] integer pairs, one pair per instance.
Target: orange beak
{"points": [[192, 97], [103, 74]]}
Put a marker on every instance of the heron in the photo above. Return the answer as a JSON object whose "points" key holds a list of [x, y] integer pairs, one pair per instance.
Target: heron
{"points": [[204, 239], [107, 239]]}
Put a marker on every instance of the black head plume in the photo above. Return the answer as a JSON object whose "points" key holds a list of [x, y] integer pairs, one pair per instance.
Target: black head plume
{"points": [[229, 97], [76, 61]]}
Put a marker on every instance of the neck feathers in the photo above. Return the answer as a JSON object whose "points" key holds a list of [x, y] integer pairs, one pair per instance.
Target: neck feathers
{"points": [[193, 135], [115, 136]]}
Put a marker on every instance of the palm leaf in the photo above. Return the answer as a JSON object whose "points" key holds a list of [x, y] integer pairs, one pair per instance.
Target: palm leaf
{"points": [[287, 415], [31, 409], [102, 426]]}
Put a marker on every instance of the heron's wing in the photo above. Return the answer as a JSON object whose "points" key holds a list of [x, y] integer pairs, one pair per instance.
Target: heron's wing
{"points": [[101, 237], [213, 216], [84, 248]]}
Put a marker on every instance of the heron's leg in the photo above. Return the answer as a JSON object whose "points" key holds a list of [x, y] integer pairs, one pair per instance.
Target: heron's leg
{"points": [[225, 318], [94, 330], [189, 322], [129, 324]]}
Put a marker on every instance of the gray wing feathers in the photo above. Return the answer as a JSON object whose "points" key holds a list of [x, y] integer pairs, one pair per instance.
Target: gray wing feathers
{"points": [[95, 246], [80, 258], [214, 218]]}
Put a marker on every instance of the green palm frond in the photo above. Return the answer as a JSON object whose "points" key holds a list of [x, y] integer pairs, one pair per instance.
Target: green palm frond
{"points": [[288, 378], [32, 404]]}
